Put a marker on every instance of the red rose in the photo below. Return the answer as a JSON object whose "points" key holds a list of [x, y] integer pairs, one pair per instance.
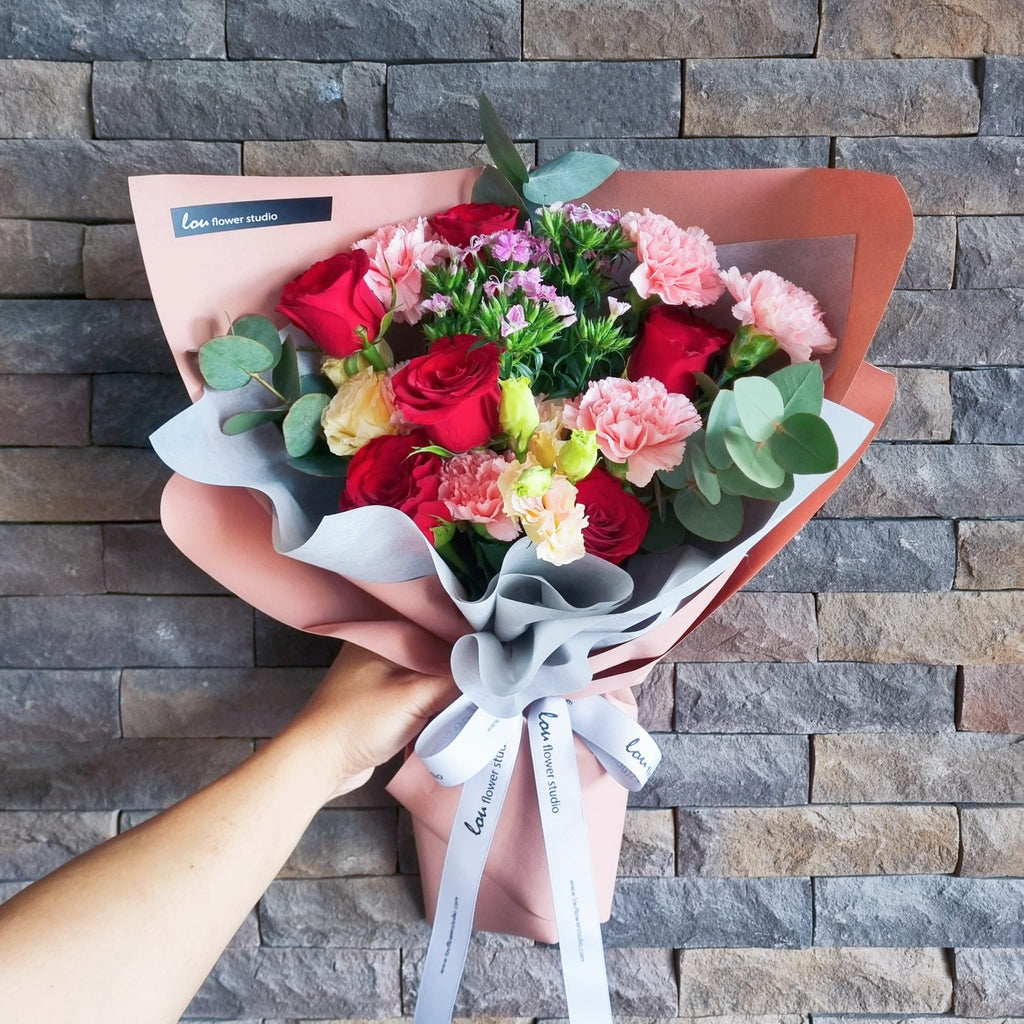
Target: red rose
{"points": [[452, 392], [674, 344], [385, 471], [331, 299], [458, 225], [617, 519]]}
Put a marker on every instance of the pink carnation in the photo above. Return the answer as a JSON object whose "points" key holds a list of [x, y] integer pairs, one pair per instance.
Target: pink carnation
{"points": [[775, 306], [639, 423], [469, 487], [678, 265]]}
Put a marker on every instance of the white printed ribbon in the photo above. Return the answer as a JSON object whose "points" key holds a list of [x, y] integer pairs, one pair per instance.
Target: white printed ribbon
{"points": [[465, 745]]}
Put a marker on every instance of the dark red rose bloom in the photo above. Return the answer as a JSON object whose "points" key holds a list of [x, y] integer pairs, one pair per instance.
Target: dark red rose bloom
{"points": [[452, 392], [674, 344], [385, 471], [331, 299], [459, 224], [617, 519]]}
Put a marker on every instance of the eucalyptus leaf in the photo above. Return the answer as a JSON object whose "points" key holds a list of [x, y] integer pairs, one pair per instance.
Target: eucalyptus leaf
{"points": [[243, 421], [804, 444], [759, 406], [663, 534], [707, 384], [704, 473], [302, 424], [315, 384], [712, 522], [231, 362], [802, 387], [320, 465], [722, 416], [260, 329], [286, 373], [733, 481], [501, 147], [754, 458], [493, 187], [568, 177]]}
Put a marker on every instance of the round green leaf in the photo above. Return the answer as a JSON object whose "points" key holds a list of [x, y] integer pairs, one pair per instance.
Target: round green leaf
{"points": [[243, 421], [260, 329], [753, 458], [286, 372], [802, 387], [231, 362], [722, 416], [712, 522], [704, 473], [804, 444], [568, 177], [320, 465], [302, 424], [733, 481], [315, 384], [759, 406], [663, 534]]}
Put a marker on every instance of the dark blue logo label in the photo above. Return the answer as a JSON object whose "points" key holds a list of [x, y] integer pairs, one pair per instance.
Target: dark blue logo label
{"points": [[262, 213]]}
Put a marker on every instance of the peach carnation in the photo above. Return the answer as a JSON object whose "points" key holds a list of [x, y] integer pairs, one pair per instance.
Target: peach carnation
{"points": [[469, 487]]}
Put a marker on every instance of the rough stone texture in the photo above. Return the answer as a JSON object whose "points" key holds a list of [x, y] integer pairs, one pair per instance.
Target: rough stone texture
{"points": [[862, 768], [923, 409], [984, 411], [951, 629], [102, 631], [771, 1018], [822, 979], [930, 260], [373, 30], [1001, 112], [44, 100], [696, 154], [990, 555], [656, 699], [648, 844], [989, 982], [717, 912], [138, 558], [34, 843], [346, 842], [990, 252], [754, 627], [112, 263], [825, 840], [438, 101], [812, 97], [79, 179], [115, 773], [967, 176], [993, 841], [59, 705], [821, 697], [569, 30], [128, 407], [708, 771], [918, 28], [933, 480], [930, 910], [40, 257], [212, 702], [278, 644], [50, 559], [993, 698], [171, 100], [371, 795], [44, 410], [863, 555], [89, 484]]}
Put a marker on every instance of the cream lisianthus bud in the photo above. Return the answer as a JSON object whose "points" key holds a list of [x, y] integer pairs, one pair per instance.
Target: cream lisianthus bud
{"points": [[359, 412], [337, 370], [533, 482], [578, 456], [518, 412]]}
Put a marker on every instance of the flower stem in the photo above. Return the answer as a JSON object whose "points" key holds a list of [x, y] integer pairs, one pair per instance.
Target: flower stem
{"points": [[270, 387]]}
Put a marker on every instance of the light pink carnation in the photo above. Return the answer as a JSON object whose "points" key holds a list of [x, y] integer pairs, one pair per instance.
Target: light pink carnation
{"points": [[775, 306], [678, 265], [639, 423], [469, 487]]}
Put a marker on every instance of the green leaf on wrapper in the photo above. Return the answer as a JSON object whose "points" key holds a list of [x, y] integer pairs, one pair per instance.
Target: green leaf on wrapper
{"points": [[493, 187], [754, 458], [231, 362], [802, 387], [733, 481], [243, 421], [320, 465], [759, 406], [663, 534], [568, 177], [722, 416], [314, 384], [286, 374], [502, 149], [712, 522], [804, 444], [302, 424]]}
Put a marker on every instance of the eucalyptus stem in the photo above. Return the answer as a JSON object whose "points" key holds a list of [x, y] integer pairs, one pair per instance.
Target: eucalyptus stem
{"points": [[270, 387]]}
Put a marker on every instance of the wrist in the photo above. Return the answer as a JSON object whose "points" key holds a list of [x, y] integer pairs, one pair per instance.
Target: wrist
{"points": [[320, 761]]}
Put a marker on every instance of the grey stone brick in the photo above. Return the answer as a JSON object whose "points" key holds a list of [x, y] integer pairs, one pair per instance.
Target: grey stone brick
{"points": [[170, 100], [11, 889], [212, 702], [605, 30], [918, 28], [386, 30], [94, 29], [822, 697], [138, 558], [923, 408], [61, 484], [111, 631], [754, 627], [930, 260], [112, 263], [128, 407], [278, 644], [648, 844], [1003, 79], [966, 176], [926, 910], [115, 773], [710, 912], [863, 555], [656, 700], [790, 97], [708, 771], [957, 767], [594, 100], [993, 841], [346, 842], [80, 336], [50, 560], [40, 257], [933, 480], [993, 698], [696, 154], [301, 982], [990, 252], [44, 410], [989, 982], [44, 100], [986, 406], [60, 705], [80, 179], [34, 843], [373, 793]]}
